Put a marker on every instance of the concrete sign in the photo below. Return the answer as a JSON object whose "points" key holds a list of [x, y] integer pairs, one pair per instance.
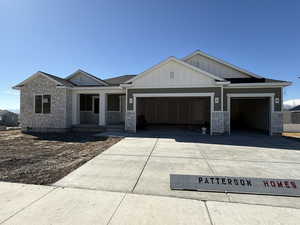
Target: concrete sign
{"points": [[249, 185]]}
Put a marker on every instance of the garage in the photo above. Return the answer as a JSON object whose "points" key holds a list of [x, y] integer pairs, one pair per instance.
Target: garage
{"points": [[183, 112], [250, 114]]}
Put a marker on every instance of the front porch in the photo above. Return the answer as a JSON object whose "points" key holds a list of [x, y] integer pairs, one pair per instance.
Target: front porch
{"points": [[102, 110]]}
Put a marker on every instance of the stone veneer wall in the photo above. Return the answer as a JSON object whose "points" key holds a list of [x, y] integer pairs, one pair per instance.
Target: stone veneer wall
{"points": [[54, 121], [113, 117], [277, 123], [226, 122], [130, 121], [217, 121]]}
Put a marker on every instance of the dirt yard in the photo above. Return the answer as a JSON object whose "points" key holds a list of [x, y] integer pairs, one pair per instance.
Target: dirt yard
{"points": [[46, 158], [292, 135]]}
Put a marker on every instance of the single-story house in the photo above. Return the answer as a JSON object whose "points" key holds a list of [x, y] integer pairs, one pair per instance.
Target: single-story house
{"points": [[292, 116], [197, 90], [8, 118]]}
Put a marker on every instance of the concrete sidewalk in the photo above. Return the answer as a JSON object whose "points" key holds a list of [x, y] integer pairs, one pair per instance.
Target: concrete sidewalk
{"points": [[36, 205]]}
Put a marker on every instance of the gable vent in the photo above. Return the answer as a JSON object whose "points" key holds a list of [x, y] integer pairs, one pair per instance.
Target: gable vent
{"points": [[172, 75]]}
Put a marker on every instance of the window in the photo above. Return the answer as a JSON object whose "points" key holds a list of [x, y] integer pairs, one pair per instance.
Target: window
{"points": [[96, 105], [113, 102], [86, 102], [43, 104]]}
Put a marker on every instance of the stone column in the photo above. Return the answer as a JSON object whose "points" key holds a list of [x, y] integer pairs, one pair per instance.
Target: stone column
{"points": [[75, 109], [130, 121], [217, 121], [102, 109], [226, 122], [276, 123]]}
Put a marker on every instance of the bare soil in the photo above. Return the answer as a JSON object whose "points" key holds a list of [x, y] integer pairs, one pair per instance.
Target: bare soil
{"points": [[291, 135], [45, 158]]}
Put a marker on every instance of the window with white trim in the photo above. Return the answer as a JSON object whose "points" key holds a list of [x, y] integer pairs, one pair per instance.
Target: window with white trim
{"points": [[42, 104]]}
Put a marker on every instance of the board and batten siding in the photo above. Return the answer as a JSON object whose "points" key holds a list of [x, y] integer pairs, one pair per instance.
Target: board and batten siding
{"points": [[276, 91], [173, 74], [215, 67], [215, 90]]}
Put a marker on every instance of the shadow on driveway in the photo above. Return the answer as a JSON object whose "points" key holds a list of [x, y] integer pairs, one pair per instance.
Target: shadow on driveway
{"points": [[235, 139]]}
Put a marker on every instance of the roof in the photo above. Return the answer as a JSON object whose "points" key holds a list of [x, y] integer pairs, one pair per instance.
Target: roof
{"points": [[115, 81], [253, 80], [4, 112], [87, 74], [296, 108], [59, 80]]}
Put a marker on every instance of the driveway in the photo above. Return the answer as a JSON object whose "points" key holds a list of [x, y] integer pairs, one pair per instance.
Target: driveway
{"points": [[142, 163]]}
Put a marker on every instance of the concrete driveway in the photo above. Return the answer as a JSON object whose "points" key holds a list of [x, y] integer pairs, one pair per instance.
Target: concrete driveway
{"points": [[141, 164]]}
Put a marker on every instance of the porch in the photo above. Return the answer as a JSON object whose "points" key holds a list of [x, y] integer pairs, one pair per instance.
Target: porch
{"points": [[98, 110]]}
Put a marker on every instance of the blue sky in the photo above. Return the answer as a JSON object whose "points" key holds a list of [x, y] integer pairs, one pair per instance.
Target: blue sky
{"points": [[110, 38]]}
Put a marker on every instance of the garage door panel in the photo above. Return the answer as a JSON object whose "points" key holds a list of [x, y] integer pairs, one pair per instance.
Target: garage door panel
{"points": [[181, 111]]}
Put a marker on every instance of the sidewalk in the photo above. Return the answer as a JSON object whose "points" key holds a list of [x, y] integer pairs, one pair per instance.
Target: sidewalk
{"points": [[36, 205]]}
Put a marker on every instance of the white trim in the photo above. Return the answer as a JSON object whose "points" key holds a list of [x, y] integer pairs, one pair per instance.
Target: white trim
{"points": [[211, 95], [198, 52], [102, 109], [87, 75], [257, 95], [170, 87], [98, 88], [75, 109], [172, 58], [222, 100], [281, 100], [255, 85]]}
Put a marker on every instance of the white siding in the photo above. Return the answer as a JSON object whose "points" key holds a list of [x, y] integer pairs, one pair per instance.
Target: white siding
{"points": [[81, 79], [183, 77], [215, 67]]}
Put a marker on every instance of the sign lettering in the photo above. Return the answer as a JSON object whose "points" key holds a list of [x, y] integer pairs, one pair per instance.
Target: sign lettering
{"points": [[249, 185]]}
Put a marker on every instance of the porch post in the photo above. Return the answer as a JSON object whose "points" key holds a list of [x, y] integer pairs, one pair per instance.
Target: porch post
{"points": [[75, 109], [102, 110]]}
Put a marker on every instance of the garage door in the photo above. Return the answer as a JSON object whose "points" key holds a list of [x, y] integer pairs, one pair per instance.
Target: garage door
{"points": [[250, 114], [174, 110]]}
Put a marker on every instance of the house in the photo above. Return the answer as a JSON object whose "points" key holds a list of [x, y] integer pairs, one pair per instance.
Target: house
{"points": [[197, 90], [8, 118], [292, 116]]}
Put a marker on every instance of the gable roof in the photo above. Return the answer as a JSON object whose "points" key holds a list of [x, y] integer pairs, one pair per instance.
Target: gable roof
{"points": [[296, 108], [6, 112], [115, 81], [59, 81], [198, 52], [88, 75], [174, 59]]}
